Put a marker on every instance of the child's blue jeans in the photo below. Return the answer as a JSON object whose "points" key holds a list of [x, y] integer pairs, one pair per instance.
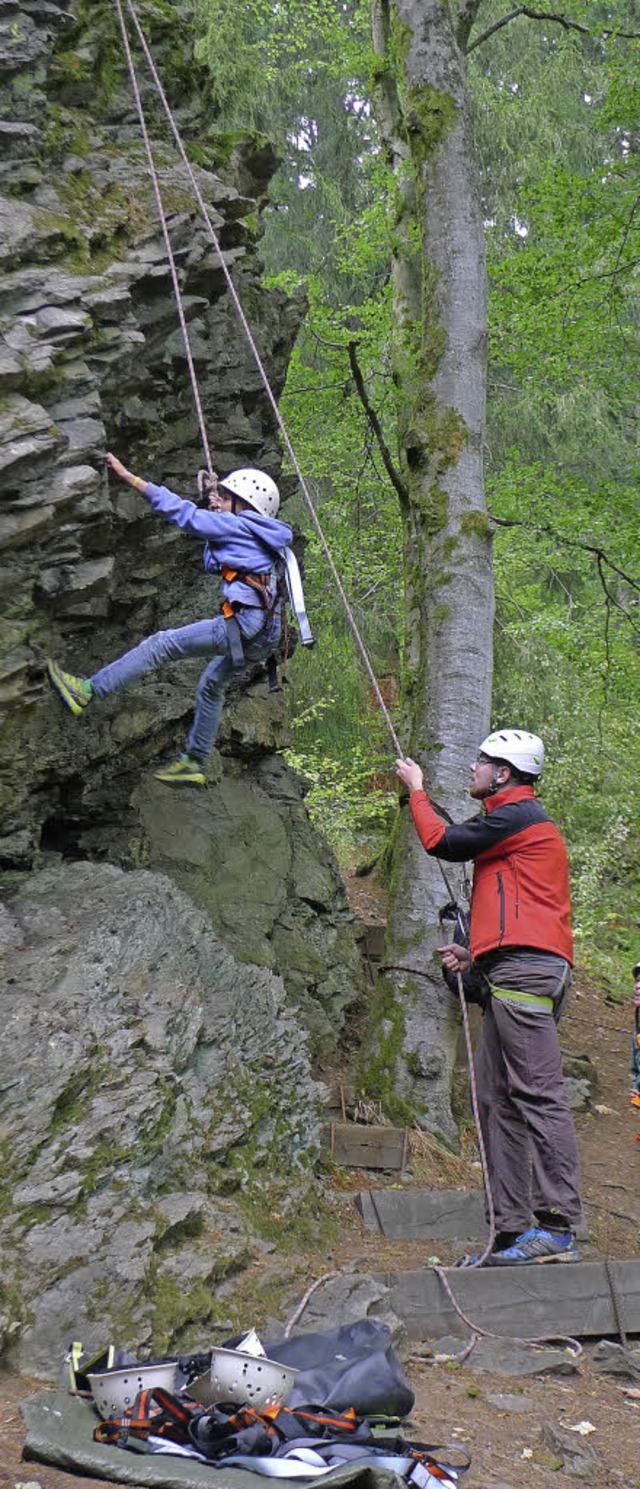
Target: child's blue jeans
{"points": [[204, 638]]}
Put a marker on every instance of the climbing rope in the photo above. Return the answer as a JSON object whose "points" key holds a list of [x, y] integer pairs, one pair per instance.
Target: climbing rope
{"points": [[245, 326], [165, 233]]}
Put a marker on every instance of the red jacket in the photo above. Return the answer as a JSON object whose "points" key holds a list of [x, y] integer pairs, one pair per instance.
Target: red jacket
{"points": [[521, 875]]}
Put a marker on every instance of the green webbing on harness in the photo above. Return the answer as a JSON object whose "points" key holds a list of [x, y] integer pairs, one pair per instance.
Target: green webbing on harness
{"points": [[528, 1000]]}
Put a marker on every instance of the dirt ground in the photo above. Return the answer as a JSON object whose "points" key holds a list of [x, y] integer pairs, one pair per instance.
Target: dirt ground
{"points": [[502, 1421]]}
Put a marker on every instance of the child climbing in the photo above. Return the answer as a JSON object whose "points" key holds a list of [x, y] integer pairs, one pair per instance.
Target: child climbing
{"points": [[243, 541], [635, 1046]]}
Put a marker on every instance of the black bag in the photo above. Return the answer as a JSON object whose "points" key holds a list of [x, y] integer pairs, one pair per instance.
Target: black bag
{"points": [[352, 1366]]}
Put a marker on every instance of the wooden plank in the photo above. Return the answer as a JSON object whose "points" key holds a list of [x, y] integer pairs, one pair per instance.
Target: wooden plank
{"points": [[519, 1302], [413, 1213], [341, 1097], [366, 1205], [416, 1214], [355, 1146], [374, 942]]}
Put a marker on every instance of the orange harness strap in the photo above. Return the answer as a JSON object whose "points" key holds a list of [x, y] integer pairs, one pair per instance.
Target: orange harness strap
{"points": [[259, 582]]}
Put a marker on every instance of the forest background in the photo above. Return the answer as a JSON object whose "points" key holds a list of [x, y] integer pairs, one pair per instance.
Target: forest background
{"points": [[556, 118]]}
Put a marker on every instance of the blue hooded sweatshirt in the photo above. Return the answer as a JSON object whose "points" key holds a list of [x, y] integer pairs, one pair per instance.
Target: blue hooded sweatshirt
{"points": [[246, 541]]}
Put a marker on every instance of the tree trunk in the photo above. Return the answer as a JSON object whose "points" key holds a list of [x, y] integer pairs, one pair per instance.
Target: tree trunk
{"points": [[440, 373]]}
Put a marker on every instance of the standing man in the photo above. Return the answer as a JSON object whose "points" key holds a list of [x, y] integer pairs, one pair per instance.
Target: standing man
{"points": [[521, 944]]}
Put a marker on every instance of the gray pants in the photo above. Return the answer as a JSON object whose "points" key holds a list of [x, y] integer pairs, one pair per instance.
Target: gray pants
{"points": [[527, 1127]]}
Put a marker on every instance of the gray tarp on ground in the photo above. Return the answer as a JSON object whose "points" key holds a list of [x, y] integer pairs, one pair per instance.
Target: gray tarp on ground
{"points": [[60, 1431]]}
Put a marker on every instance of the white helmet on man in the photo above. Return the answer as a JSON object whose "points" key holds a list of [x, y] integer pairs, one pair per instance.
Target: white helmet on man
{"points": [[254, 487], [524, 751]]}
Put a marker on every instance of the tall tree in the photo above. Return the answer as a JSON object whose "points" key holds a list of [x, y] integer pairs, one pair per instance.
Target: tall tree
{"points": [[423, 109]]}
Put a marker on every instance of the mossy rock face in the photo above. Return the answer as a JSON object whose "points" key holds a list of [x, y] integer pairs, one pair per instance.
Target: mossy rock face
{"points": [[246, 853], [157, 1099]]}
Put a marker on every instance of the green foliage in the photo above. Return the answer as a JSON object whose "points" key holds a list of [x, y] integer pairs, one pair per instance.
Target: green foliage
{"points": [[346, 800], [561, 174], [265, 58], [568, 666]]}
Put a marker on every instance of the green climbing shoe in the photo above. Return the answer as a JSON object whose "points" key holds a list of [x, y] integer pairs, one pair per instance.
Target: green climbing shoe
{"points": [[74, 691], [183, 772]]}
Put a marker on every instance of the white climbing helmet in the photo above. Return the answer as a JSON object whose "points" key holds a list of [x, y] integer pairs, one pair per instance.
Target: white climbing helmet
{"points": [[519, 748], [254, 487]]}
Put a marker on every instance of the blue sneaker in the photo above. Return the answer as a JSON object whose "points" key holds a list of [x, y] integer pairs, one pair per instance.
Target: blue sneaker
{"points": [[537, 1245], [502, 1240]]}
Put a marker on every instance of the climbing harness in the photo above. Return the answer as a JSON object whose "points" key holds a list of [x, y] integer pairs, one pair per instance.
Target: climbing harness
{"points": [[282, 586], [283, 582], [228, 609]]}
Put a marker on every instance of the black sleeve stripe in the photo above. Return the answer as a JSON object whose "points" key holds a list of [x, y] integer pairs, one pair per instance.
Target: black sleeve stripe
{"points": [[467, 839]]}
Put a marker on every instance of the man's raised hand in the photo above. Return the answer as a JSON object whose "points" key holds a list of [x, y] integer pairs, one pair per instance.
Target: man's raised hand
{"points": [[410, 774]]}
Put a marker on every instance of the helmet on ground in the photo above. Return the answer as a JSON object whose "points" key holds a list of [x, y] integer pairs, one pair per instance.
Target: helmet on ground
{"points": [[254, 487], [525, 752]]}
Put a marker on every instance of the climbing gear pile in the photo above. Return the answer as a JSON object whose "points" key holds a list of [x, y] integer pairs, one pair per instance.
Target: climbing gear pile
{"points": [[275, 1442]]}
